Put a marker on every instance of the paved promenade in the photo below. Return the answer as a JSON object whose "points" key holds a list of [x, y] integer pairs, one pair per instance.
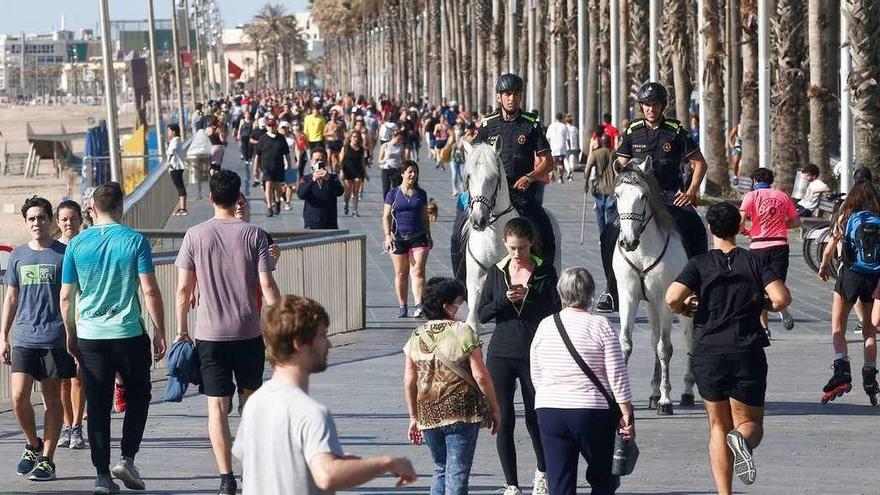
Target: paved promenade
{"points": [[808, 448]]}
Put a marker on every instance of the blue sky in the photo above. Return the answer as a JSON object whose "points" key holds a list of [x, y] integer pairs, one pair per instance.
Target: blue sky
{"points": [[22, 16]]}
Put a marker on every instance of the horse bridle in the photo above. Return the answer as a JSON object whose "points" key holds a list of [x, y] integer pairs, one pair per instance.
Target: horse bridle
{"points": [[489, 202], [644, 218]]}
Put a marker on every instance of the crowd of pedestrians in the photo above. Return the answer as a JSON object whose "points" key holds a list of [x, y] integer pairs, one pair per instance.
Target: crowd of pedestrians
{"points": [[74, 304]]}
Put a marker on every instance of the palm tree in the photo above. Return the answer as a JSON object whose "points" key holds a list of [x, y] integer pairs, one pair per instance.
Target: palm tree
{"points": [[817, 92], [483, 20], [718, 182], [864, 26], [748, 125], [675, 18], [638, 56], [571, 81], [789, 93], [591, 118]]}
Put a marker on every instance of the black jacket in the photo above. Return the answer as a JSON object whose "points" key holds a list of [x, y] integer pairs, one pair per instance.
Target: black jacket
{"points": [[319, 208], [514, 330]]}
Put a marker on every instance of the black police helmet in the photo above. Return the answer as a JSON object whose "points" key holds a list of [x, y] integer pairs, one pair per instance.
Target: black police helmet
{"points": [[652, 91], [508, 82]]}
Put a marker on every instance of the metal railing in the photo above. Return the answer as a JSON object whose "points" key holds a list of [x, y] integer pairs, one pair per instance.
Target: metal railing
{"points": [[327, 266]]}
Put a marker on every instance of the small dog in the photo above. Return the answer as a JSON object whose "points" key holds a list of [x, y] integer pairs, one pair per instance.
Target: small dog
{"points": [[433, 210]]}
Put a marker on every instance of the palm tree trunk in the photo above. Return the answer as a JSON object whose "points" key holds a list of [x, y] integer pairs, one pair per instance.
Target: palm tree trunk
{"points": [[864, 37], [591, 119], [818, 93], [571, 82], [718, 180], [638, 57], [789, 92], [605, 56], [748, 125], [467, 55], [681, 51], [623, 90], [666, 54], [482, 20], [434, 55], [497, 40], [541, 58]]}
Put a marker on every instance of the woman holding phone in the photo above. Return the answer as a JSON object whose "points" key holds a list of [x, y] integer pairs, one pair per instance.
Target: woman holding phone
{"points": [[519, 292]]}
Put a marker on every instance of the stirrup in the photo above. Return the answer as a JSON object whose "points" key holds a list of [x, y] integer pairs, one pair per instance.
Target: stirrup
{"points": [[605, 303]]}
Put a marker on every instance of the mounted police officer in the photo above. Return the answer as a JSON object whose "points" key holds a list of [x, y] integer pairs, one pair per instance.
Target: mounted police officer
{"points": [[668, 144], [522, 139]]}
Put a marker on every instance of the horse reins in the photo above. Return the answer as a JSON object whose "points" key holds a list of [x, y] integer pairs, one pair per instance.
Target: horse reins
{"points": [[489, 202], [644, 218]]}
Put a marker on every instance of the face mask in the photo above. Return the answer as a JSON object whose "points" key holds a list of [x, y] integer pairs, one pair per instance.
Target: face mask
{"points": [[462, 313]]}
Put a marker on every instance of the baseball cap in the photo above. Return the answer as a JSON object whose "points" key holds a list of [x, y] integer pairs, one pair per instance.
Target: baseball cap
{"points": [[284, 123], [270, 121]]}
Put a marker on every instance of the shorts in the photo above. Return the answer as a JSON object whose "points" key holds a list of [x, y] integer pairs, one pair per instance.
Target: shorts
{"points": [[433, 143], [291, 176], [854, 286], [43, 364], [334, 146], [559, 158], [739, 375], [417, 243], [440, 143], [775, 258], [220, 361], [736, 151], [353, 173], [274, 174], [316, 145]]}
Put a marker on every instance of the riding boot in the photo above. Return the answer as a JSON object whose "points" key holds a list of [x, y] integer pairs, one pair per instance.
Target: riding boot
{"points": [[457, 248], [608, 300], [690, 227]]}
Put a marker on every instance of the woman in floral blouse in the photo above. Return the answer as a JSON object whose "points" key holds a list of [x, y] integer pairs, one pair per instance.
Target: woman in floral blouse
{"points": [[448, 389]]}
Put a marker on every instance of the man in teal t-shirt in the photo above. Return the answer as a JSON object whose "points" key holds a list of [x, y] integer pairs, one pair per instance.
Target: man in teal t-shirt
{"points": [[103, 268]]}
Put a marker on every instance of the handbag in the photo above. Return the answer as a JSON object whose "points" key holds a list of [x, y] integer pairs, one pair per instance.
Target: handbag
{"points": [[483, 402], [626, 452]]}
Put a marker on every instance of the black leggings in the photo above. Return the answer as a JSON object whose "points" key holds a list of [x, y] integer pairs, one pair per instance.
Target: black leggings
{"points": [[177, 179], [389, 176], [100, 360], [505, 372], [689, 224]]}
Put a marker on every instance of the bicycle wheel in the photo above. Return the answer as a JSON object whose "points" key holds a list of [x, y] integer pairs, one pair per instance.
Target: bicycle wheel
{"points": [[813, 254]]}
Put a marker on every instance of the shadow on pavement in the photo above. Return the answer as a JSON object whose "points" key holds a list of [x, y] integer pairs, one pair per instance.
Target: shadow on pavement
{"points": [[818, 409]]}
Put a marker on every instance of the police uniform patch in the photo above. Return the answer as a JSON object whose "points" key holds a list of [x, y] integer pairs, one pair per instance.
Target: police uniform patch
{"points": [[667, 146], [521, 139]]}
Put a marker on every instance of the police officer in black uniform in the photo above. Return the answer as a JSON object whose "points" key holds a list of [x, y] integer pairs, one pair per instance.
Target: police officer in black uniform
{"points": [[522, 139], [668, 144]]}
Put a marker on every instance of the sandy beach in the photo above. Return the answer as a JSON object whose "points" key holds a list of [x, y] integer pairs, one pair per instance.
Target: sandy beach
{"points": [[15, 189]]}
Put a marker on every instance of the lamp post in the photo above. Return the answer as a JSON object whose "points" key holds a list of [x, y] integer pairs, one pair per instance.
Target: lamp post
{"points": [[109, 92], [157, 96], [177, 83], [192, 79]]}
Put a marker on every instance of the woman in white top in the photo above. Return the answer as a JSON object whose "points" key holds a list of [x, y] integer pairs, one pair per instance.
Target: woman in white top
{"points": [[176, 165], [392, 154], [573, 416]]}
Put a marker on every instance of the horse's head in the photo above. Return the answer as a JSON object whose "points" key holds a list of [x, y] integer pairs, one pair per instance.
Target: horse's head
{"points": [[634, 188], [484, 181]]}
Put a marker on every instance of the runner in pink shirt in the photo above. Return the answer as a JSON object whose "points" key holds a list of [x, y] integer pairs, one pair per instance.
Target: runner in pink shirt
{"points": [[771, 213]]}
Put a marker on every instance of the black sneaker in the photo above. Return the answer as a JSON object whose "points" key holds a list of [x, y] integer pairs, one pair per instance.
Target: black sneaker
{"points": [[605, 303], [45, 470], [29, 458], [270, 212], [228, 486], [743, 464]]}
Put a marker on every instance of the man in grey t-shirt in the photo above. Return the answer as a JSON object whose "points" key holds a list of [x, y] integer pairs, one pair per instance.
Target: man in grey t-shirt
{"points": [[38, 350], [287, 441], [230, 259]]}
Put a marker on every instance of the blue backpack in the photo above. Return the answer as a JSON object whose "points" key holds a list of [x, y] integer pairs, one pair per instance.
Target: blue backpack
{"points": [[863, 240]]}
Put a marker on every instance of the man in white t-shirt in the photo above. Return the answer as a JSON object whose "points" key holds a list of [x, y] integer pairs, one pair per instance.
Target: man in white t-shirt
{"points": [[287, 441], [815, 188], [557, 136], [574, 147]]}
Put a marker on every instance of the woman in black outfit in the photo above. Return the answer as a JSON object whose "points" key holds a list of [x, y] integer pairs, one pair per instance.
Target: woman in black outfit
{"points": [[353, 161], [519, 292]]}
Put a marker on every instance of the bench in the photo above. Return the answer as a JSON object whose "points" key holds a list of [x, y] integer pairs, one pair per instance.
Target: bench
{"points": [[743, 184], [827, 207]]}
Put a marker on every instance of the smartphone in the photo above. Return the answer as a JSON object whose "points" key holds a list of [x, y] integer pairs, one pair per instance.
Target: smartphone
{"points": [[516, 287]]}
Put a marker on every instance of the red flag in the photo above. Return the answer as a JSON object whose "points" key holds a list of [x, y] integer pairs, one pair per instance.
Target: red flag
{"points": [[186, 58], [234, 70]]}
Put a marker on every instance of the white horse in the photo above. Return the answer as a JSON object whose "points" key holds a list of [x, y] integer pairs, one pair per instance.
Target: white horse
{"points": [[489, 210], [648, 256]]}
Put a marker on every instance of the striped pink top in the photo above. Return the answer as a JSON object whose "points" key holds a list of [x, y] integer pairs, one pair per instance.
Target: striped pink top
{"points": [[559, 381]]}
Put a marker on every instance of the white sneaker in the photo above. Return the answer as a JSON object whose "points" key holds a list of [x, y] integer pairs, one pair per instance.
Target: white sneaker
{"points": [[539, 484], [509, 490], [125, 472]]}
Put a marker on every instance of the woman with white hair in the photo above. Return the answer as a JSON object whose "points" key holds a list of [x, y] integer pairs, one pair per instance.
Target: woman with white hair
{"points": [[574, 417]]}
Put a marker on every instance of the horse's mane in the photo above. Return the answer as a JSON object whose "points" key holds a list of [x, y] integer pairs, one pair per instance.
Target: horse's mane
{"points": [[632, 174]]}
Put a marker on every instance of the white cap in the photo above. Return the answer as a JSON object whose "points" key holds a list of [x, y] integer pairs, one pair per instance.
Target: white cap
{"points": [[284, 123]]}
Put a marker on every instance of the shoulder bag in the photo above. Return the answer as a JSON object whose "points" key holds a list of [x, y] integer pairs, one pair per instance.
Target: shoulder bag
{"points": [[626, 452]]}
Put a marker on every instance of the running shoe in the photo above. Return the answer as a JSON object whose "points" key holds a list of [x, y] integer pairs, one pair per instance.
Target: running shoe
{"points": [[345, 209], [269, 212], [355, 213], [402, 311], [743, 464], [127, 473], [76, 438], [787, 320], [419, 312], [45, 470], [104, 485], [509, 490], [287, 206], [64, 437], [29, 458], [539, 484], [119, 403]]}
